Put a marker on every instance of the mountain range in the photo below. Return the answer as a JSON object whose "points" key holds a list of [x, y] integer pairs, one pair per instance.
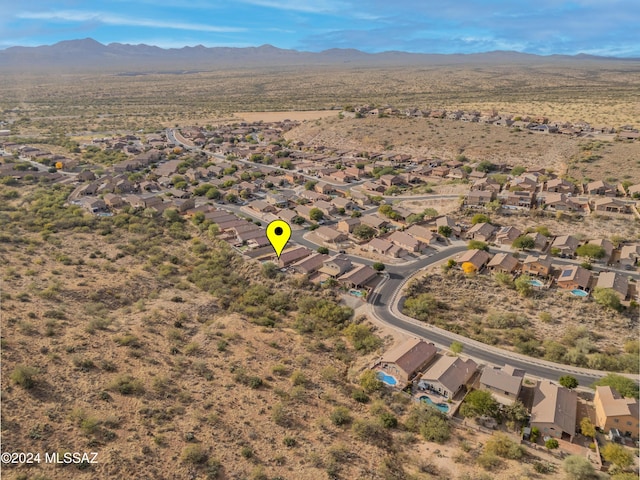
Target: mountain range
{"points": [[89, 54]]}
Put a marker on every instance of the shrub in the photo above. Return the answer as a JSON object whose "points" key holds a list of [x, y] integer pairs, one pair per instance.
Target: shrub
{"points": [[388, 420], [340, 416], [246, 452], [289, 442], [362, 338], [429, 422], [489, 461], [360, 396], [369, 382], [578, 467], [551, 444], [298, 378], [194, 454], [499, 444], [127, 385], [372, 432], [24, 376]]}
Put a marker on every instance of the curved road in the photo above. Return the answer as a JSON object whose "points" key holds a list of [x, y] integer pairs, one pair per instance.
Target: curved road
{"points": [[386, 302]]}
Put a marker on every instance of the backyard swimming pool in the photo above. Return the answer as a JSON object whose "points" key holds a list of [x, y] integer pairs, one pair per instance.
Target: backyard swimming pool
{"points": [[579, 293], [536, 283], [388, 379], [443, 407]]}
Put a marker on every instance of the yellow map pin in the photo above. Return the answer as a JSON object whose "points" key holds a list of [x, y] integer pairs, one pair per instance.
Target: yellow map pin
{"points": [[278, 233]]}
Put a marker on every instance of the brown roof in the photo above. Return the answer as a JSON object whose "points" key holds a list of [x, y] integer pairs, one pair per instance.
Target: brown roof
{"points": [[615, 281], [614, 405], [294, 254], [554, 404], [359, 276], [475, 256], [504, 260], [451, 372], [501, 379], [410, 355], [575, 273]]}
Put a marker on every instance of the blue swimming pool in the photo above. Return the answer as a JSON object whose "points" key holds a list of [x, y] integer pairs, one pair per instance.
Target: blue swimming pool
{"points": [[579, 293], [388, 379], [536, 283], [443, 407]]}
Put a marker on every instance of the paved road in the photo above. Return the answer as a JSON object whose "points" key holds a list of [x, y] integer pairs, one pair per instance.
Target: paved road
{"points": [[386, 302]]}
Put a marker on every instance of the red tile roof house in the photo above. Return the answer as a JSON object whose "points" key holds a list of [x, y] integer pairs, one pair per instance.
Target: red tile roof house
{"points": [[616, 282], [405, 360], [447, 376], [481, 231], [406, 242], [384, 247], [503, 262], [574, 277], [293, 255], [566, 245], [539, 266], [478, 258], [503, 383], [554, 410], [359, 277]]}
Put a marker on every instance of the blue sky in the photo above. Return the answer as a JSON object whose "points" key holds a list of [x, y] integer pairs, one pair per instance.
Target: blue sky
{"points": [[599, 27]]}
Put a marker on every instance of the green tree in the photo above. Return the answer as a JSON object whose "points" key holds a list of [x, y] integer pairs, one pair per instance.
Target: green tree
{"points": [[445, 231], [587, 428], [551, 444], [323, 250], [591, 251], [617, 454], [607, 297], [523, 285], [480, 218], [477, 244], [516, 412], [502, 446], [518, 170], [479, 403], [364, 232], [310, 184], [456, 347], [523, 242], [430, 212], [316, 214], [369, 382], [340, 416], [378, 266], [578, 467], [623, 385], [568, 381], [414, 218]]}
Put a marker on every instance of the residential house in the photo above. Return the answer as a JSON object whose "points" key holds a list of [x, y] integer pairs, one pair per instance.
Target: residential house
{"points": [[447, 376], [539, 266], [481, 231], [374, 221], [611, 205], [573, 277], [616, 282], [486, 183], [599, 187], [92, 204], [565, 245], [310, 264], [554, 410], [615, 411], [479, 198], [336, 266], [324, 188], [559, 185], [503, 383], [384, 247], [406, 241], [606, 245], [440, 171], [390, 180], [447, 221], [525, 182], [629, 256], [344, 203], [558, 202], [112, 200], [506, 235], [405, 360], [517, 200], [261, 206], [327, 208], [423, 234], [348, 224], [330, 235], [293, 255], [287, 215], [359, 277], [478, 258], [540, 242], [503, 262]]}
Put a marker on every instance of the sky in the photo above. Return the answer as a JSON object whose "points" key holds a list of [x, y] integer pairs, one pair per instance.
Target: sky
{"points": [[597, 27]]}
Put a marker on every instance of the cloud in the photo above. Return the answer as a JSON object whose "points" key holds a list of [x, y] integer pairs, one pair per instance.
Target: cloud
{"points": [[117, 20], [321, 6]]}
